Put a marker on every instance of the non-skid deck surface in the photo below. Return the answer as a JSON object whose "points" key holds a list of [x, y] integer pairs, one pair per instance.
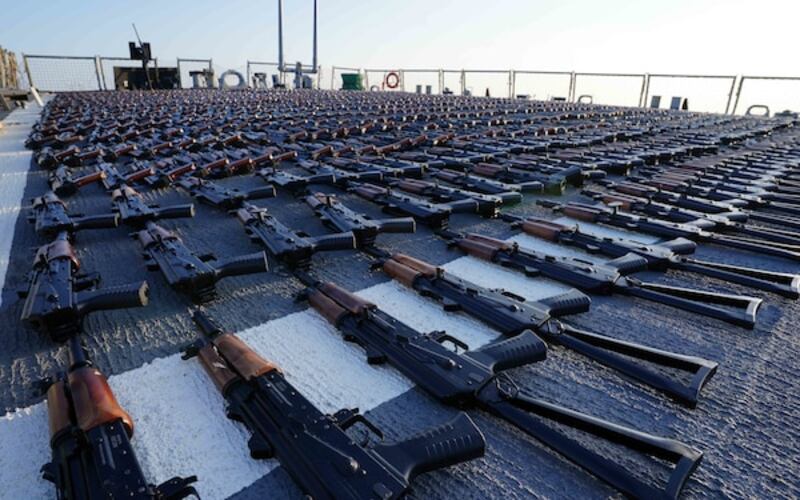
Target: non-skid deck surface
{"points": [[747, 423]]}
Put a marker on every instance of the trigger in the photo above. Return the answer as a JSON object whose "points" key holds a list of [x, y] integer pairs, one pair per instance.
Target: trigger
{"points": [[374, 356], [259, 447]]}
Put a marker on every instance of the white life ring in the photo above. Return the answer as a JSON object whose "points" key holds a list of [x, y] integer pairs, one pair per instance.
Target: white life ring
{"points": [[224, 84]]}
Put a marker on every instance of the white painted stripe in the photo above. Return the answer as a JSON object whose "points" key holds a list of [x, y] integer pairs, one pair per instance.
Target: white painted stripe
{"points": [[15, 161]]}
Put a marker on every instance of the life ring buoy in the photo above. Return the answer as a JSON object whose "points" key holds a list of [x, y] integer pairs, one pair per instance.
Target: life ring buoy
{"points": [[240, 84], [391, 80]]}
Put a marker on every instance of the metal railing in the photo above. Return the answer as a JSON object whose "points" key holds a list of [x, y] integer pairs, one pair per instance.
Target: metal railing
{"points": [[251, 64], [732, 78], [56, 73], [761, 78]]}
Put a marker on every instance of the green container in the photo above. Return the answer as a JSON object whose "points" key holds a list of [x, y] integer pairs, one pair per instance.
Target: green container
{"points": [[352, 81]]}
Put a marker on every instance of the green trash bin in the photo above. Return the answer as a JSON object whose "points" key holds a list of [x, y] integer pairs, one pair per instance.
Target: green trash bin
{"points": [[352, 81]]}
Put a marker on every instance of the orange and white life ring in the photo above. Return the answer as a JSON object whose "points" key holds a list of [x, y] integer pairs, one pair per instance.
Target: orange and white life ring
{"points": [[391, 80]]}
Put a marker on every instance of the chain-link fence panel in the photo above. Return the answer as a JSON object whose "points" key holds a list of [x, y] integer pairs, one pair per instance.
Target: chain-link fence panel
{"points": [[62, 73]]}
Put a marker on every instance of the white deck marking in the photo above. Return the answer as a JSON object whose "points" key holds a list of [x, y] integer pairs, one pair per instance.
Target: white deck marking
{"points": [[15, 161]]}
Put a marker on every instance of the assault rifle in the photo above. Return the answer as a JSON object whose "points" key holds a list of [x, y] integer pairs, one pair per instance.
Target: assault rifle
{"points": [[293, 248], [729, 195], [337, 216], [114, 179], [217, 196], [133, 211], [718, 223], [435, 215], [510, 193], [660, 256], [49, 158], [611, 216], [58, 296], [608, 278], [313, 447], [81, 158], [187, 272], [292, 182], [165, 178], [50, 217], [530, 181], [459, 200], [474, 379], [512, 315], [64, 184], [387, 166], [728, 208], [90, 437]]}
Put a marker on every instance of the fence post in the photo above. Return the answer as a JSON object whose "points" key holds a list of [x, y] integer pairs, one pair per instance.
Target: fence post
{"points": [[248, 73], [366, 79], [97, 66], [27, 69], [738, 93], [642, 97], [402, 81], [730, 95], [180, 79], [441, 82], [571, 91], [646, 92], [512, 83], [463, 81]]}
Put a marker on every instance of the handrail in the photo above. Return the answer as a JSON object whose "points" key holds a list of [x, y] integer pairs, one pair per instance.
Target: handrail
{"points": [[757, 77], [732, 104]]}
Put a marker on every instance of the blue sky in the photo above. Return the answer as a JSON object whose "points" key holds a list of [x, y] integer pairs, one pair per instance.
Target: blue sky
{"points": [[584, 35]]}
